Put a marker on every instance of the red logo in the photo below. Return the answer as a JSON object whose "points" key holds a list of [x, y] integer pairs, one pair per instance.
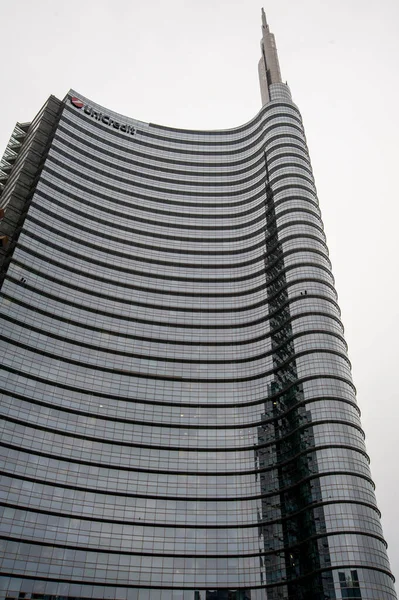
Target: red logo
{"points": [[76, 102]]}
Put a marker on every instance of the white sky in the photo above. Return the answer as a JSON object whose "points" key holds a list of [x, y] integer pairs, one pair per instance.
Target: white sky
{"points": [[193, 64]]}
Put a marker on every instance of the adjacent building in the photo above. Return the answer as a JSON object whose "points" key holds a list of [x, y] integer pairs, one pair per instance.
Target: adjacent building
{"points": [[178, 418]]}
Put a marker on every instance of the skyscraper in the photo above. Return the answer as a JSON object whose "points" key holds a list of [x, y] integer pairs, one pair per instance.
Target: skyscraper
{"points": [[178, 415]]}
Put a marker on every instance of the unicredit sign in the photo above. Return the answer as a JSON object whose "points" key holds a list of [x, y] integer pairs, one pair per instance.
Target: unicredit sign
{"points": [[98, 116]]}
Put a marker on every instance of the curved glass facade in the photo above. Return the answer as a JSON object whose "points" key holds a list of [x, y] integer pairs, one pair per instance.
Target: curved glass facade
{"points": [[178, 418]]}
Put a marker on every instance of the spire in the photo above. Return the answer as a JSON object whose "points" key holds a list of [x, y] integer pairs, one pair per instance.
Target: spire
{"points": [[264, 22], [269, 68]]}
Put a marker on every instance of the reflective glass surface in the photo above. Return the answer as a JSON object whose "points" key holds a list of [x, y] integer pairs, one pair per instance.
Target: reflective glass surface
{"points": [[178, 418]]}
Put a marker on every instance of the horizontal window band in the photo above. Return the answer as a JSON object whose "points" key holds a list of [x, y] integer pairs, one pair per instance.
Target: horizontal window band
{"points": [[270, 106], [290, 362], [172, 224], [284, 141], [272, 300], [153, 402], [62, 408], [272, 304], [273, 219], [286, 463], [104, 159], [104, 492], [154, 211], [296, 172], [181, 325], [189, 449], [290, 337], [143, 136], [281, 413], [327, 569], [113, 492], [303, 156], [170, 292], [178, 264], [161, 163], [121, 552], [169, 249], [283, 519], [125, 217], [131, 189], [168, 359], [194, 587], [150, 274], [199, 343], [263, 258], [268, 316], [200, 183], [64, 133], [291, 185], [53, 163], [276, 234], [161, 159], [174, 202], [144, 144], [115, 585]]}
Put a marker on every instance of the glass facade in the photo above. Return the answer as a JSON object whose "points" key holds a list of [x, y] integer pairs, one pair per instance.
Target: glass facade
{"points": [[178, 418]]}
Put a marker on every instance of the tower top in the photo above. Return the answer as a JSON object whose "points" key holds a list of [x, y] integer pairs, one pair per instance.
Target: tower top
{"points": [[264, 21], [269, 67]]}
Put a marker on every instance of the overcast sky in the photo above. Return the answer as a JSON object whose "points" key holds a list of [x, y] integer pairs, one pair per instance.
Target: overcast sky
{"points": [[193, 64]]}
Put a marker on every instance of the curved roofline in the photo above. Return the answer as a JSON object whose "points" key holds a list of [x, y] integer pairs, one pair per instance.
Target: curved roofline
{"points": [[143, 124]]}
